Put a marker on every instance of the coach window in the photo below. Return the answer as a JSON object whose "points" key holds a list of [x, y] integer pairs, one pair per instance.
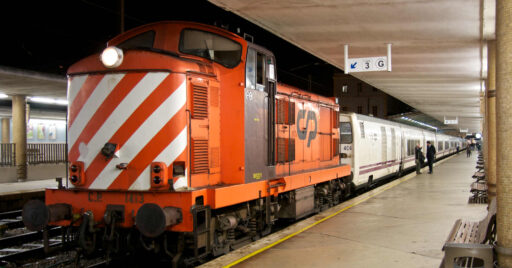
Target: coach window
{"points": [[345, 132]]}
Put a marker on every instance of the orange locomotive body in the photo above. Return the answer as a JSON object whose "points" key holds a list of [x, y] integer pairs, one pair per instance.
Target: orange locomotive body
{"points": [[181, 129]]}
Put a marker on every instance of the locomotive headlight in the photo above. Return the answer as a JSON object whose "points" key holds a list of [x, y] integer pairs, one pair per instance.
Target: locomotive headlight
{"points": [[112, 57]]}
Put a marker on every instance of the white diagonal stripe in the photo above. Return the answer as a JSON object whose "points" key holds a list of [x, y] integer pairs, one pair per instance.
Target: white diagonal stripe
{"points": [[168, 155], [142, 136], [119, 116], [91, 105], [74, 85]]}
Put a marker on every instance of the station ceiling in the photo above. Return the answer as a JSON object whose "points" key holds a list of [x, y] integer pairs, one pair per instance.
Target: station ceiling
{"points": [[438, 46]]}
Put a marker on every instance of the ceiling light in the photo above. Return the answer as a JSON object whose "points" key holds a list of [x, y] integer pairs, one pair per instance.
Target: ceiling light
{"points": [[48, 100], [3, 96]]}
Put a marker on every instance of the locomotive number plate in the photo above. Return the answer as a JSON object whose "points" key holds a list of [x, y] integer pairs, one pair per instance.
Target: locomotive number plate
{"points": [[134, 198]]}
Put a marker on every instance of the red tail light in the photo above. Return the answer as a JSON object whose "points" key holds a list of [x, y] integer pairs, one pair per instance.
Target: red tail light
{"points": [[159, 175], [77, 173]]}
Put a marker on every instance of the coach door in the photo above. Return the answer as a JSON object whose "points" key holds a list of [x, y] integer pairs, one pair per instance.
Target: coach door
{"points": [[260, 90]]}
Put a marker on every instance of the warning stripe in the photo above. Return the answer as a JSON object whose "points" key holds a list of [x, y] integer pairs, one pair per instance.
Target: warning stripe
{"points": [[83, 93], [119, 132], [87, 151], [176, 149], [113, 100], [152, 150], [75, 83], [145, 132], [100, 92]]}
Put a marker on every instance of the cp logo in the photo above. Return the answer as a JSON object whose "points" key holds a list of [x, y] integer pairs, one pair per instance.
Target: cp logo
{"points": [[303, 133]]}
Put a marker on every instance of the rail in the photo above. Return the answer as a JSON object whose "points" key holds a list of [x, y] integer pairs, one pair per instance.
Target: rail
{"points": [[46, 153], [7, 154], [37, 153]]}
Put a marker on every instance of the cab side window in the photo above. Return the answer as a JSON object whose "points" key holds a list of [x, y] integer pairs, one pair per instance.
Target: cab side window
{"points": [[255, 70], [260, 75], [250, 70]]}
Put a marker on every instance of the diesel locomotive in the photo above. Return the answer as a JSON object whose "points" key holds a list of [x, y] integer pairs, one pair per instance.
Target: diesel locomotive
{"points": [[181, 141]]}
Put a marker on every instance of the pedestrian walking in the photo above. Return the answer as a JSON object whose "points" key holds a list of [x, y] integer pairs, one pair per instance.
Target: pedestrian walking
{"points": [[431, 154], [419, 158]]}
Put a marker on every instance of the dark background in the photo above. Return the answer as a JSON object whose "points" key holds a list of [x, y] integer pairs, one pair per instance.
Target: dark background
{"points": [[49, 36]]}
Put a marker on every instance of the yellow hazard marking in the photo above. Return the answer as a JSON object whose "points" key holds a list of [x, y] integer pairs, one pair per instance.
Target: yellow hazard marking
{"points": [[315, 223]]}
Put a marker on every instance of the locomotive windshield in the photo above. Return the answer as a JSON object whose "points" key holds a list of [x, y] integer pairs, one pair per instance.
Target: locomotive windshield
{"points": [[211, 46], [143, 40]]}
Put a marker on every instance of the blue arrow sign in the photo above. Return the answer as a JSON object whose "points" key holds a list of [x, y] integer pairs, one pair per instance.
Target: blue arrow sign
{"points": [[353, 65]]}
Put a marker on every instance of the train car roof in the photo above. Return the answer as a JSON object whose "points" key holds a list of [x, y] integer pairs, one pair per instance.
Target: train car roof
{"points": [[380, 120]]}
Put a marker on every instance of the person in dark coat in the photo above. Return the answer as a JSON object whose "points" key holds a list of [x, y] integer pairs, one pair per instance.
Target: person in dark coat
{"points": [[431, 154], [419, 158]]}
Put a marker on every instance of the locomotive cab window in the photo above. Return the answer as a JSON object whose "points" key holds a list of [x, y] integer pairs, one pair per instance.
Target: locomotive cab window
{"points": [[256, 70], [140, 41], [211, 46]]}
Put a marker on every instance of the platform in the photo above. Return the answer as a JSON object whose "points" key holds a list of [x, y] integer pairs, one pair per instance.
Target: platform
{"points": [[402, 224]]}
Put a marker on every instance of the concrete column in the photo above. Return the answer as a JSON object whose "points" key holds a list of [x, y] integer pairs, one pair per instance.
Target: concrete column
{"points": [[6, 130], [504, 129], [19, 135], [491, 119]]}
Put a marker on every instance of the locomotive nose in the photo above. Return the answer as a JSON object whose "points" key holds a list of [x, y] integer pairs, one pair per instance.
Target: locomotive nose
{"points": [[36, 215], [152, 220]]}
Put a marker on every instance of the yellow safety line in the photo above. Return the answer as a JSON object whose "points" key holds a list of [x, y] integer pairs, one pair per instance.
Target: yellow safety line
{"points": [[313, 224]]}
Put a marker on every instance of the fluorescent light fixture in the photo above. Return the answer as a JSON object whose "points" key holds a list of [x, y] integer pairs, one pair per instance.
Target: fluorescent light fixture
{"points": [[48, 100], [3, 96], [417, 122]]}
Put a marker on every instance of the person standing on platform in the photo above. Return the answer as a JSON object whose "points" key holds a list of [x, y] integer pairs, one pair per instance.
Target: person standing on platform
{"points": [[431, 154], [419, 158], [468, 152]]}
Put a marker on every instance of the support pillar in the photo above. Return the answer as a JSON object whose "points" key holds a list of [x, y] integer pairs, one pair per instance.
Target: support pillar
{"points": [[504, 129], [6, 130], [490, 173], [19, 135]]}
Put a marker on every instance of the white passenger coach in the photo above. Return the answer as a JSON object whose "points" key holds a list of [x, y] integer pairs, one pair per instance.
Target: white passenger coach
{"points": [[377, 148]]}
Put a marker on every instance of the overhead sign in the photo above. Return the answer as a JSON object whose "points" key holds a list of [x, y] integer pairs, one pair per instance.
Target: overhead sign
{"points": [[370, 64], [451, 121], [464, 130]]}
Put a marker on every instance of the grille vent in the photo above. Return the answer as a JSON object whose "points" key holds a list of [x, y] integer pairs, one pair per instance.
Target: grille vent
{"points": [[285, 150], [200, 102], [199, 156], [285, 112]]}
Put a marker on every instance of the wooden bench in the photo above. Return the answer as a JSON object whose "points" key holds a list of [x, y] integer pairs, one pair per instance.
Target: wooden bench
{"points": [[479, 176], [466, 245], [478, 186], [479, 191]]}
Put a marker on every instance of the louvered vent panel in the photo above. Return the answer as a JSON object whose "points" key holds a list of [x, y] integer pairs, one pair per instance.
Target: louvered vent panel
{"points": [[199, 156], [336, 147], [200, 102]]}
